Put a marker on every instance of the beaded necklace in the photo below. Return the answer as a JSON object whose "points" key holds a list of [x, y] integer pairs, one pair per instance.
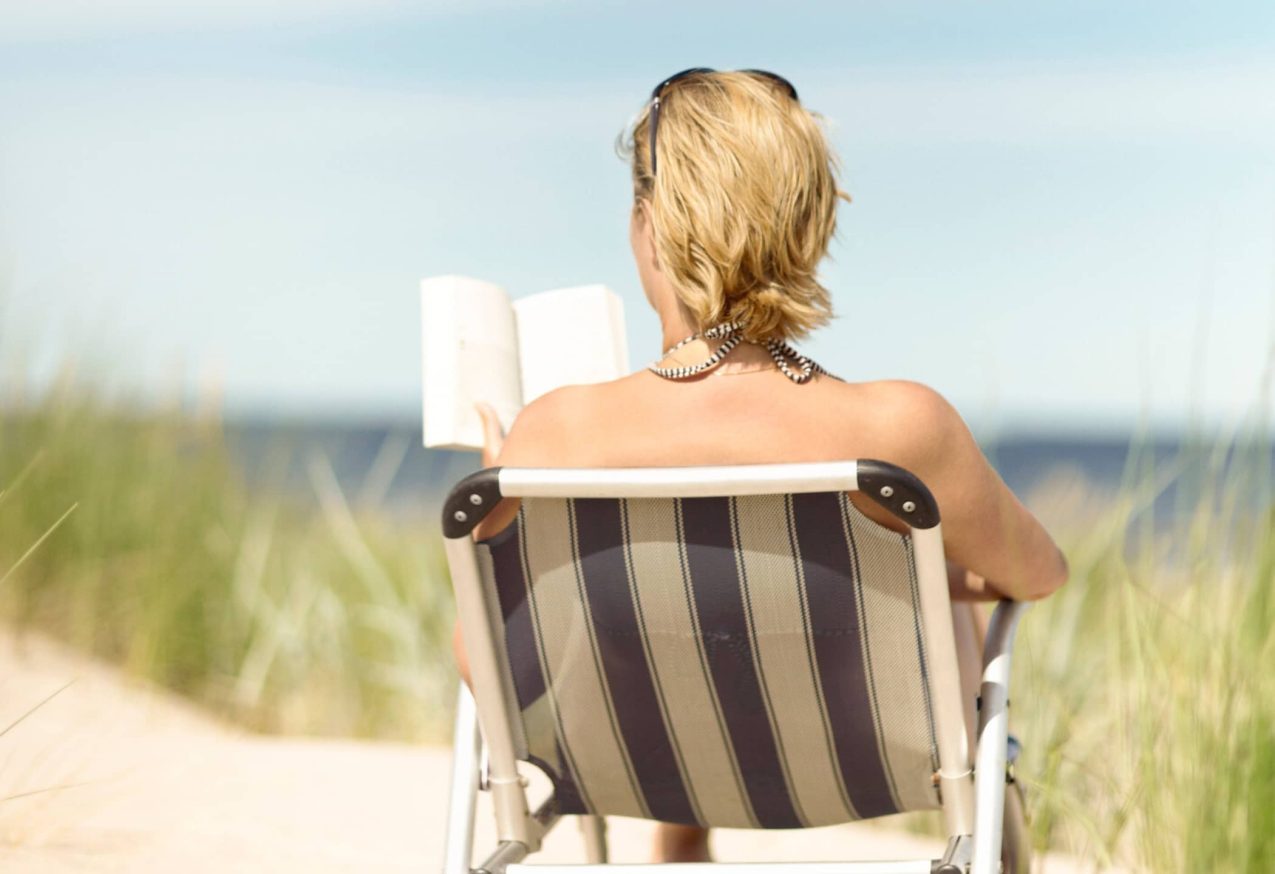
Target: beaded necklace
{"points": [[731, 336]]}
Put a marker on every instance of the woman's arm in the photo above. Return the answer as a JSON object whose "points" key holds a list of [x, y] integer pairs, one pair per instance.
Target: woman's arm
{"points": [[987, 531], [965, 585]]}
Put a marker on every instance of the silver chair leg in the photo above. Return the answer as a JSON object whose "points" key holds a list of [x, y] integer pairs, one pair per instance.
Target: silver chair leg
{"points": [[993, 737], [594, 829], [466, 752]]}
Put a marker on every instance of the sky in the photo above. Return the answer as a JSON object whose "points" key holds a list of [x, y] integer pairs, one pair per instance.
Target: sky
{"points": [[1063, 214]]}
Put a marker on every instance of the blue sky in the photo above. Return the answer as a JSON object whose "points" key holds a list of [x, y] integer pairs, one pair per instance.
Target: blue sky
{"points": [[1064, 213]]}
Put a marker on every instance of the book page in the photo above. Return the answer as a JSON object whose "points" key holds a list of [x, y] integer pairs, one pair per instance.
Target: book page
{"points": [[470, 354], [570, 336]]}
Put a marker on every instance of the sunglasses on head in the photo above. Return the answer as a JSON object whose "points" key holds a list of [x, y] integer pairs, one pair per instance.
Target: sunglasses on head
{"points": [[694, 71]]}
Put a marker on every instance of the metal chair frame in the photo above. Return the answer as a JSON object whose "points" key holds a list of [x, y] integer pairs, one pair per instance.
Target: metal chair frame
{"points": [[484, 757]]}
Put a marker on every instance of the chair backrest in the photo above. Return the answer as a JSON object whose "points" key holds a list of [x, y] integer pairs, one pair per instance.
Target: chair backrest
{"points": [[731, 660]]}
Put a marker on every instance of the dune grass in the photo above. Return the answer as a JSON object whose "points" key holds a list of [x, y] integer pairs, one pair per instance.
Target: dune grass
{"points": [[1145, 689], [133, 537]]}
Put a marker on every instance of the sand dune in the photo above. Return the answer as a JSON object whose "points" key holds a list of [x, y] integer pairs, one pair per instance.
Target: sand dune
{"points": [[111, 775]]}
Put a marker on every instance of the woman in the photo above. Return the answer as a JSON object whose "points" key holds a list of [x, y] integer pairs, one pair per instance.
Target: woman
{"points": [[735, 199]]}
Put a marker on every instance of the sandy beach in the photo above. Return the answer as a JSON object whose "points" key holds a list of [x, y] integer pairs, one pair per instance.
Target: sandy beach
{"points": [[111, 775]]}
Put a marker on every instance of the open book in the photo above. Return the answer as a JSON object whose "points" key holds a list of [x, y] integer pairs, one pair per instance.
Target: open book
{"points": [[480, 346]]}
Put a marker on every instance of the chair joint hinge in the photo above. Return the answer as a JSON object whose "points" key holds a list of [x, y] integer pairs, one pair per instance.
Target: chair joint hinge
{"points": [[956, 857]]}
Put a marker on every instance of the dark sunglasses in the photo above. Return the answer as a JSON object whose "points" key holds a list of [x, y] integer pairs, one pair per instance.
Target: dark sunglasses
{"points": [[694, 71]]}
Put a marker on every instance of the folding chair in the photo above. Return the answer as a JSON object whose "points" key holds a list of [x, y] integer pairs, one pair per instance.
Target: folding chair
{"points": [[733, 646]]}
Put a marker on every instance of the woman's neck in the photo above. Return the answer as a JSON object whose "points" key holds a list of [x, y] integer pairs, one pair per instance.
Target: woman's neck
{"points": [[675, 329], [677, 323], [744, 355]]}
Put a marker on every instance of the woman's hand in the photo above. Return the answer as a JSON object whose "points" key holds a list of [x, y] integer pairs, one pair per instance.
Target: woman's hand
{"points": [[493, 433]]}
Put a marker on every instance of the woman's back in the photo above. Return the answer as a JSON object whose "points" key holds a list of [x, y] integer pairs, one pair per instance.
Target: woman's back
{"points": [[750, 415], [746, 417]]}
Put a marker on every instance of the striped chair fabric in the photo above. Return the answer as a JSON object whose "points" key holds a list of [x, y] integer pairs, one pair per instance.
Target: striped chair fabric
{"points": [[752, 662]]}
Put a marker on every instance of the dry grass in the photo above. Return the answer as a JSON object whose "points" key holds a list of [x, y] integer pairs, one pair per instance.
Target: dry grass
{"points": [[133, 537], [1144, 691]]}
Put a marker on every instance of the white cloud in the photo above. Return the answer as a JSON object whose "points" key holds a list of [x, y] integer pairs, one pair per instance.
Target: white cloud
{"points": [[1221, 101], [38, 20], [1212, 98], [190, 110]]}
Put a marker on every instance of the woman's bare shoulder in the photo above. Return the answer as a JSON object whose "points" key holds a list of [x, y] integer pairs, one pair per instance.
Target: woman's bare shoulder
{"points": [[538, 427], [900, 394], [903, 401], [547, 432], [901, 421]]}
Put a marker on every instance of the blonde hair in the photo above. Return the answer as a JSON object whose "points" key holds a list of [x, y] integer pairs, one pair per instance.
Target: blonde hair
{"points": [[744, 204]]}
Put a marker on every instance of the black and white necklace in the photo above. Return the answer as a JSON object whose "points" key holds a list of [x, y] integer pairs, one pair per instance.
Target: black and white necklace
{"points": [[731, 336]]}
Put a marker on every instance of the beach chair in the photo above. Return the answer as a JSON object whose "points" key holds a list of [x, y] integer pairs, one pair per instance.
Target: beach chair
{"points": [[729, 646]]}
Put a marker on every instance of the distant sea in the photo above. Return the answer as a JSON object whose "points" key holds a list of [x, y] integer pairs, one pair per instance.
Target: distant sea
{"points": [[384, 465]]}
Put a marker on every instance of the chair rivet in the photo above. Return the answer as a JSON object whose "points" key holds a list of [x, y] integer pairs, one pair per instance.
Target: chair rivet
{"points": [[908, 506], [887, 491], [460, 516], [475, 499]]}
